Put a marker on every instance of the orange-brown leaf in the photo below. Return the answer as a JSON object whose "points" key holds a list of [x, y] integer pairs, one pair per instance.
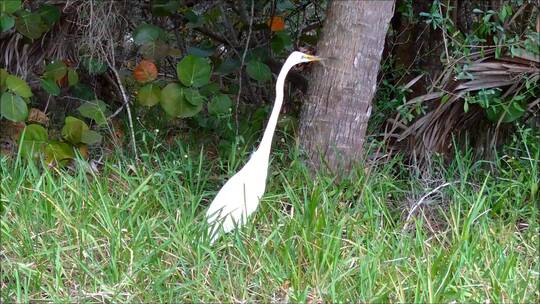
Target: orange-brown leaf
{"points": [[146, 71], [83, 149], [276, 24]]}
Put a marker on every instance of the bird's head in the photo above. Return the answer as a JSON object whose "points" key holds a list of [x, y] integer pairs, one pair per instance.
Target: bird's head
{"points": [[299, 57]]}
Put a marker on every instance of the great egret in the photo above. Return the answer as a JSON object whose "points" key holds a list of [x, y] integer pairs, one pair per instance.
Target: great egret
{"points": [[240, 195]]}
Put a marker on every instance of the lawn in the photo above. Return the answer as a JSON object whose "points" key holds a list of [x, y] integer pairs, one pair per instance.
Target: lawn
{"points": [[134, 232]]}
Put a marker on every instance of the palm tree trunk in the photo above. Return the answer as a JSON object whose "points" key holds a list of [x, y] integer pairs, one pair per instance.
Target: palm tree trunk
{"points": [[338, 105]]}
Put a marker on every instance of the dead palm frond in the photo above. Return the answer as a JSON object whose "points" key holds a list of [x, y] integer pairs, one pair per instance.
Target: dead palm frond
{"points": [[447, 119]]}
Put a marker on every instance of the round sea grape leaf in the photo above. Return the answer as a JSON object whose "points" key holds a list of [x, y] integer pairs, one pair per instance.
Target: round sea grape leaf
{"points": [[165, 7], [194, 19], [82, 91], [145, 71], [228, 66], [34, 138], [91, 137], [146, 33], [209, 89], [281, 41], [3, 76], [58, 152], [200, 51], [73, 77], [49, 13], [194, 97], [194, 71], [189, 110], [9, 6], [172, 96], [30, 25], [56, 70], [149, 95], [174, 102], [258, 71], [284, 5], [18, 86], [13, 107], [35, 132], [277, 23], [50, 86], [155, 50], [6, 22], [73, 129], [96, 110], [220, 104]]}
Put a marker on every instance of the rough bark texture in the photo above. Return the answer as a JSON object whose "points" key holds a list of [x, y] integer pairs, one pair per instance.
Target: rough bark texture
{"points": [[338, 104]]}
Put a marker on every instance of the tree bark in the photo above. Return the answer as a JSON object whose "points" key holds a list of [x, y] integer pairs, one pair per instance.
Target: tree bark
{"points": [[338, 105]]}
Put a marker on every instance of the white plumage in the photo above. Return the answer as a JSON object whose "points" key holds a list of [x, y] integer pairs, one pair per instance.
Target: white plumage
{"points": [[240, 195]]}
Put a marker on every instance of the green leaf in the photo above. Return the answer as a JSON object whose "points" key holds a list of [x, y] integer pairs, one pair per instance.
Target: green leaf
{"points": [[258, 71], [13, 107], [194, 19], [33, 140], [82, 91], [50, 86], [220, 104], [3, 77], [174, 104], [18, 86], [94, 66], [96, 110], [6, 22], [280, 42], [194, 97], [30, 25], [194, 71], [513, 112], [172, 96], [285, 5], [149, 95], [50, 14], [210, 89], [91, 137], [73, 129], [55, 70], [73, 77], [155, 50], [58, 151], [228, 66], [35, 132], [9, 6], [165, 7], [200, 51], [146, 33]]}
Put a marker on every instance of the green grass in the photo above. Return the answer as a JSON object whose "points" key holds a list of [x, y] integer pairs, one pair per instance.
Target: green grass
{"points": [[133, 233]]}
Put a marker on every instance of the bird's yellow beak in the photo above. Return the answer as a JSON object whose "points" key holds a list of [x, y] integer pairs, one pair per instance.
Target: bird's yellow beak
{"points": [[313, 58]]}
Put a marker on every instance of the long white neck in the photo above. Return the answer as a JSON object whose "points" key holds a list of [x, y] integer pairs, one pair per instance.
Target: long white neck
{"points": [[266, 142]]}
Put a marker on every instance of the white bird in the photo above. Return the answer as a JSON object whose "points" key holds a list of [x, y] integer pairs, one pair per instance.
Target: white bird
{"points": [[240, 195]]}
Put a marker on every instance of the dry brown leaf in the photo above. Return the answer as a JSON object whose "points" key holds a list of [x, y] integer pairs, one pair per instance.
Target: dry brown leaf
{"points": [[11, 130], [9, 135], [37, 116]]}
